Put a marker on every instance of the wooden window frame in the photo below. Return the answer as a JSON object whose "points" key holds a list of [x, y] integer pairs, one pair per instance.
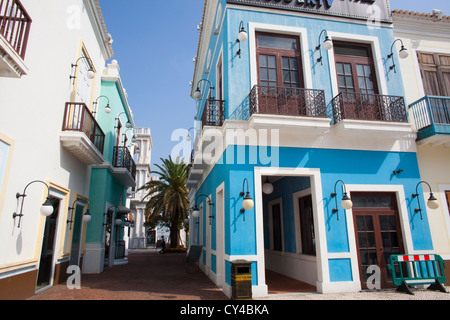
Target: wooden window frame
{"points": [[355, 60], [278, 53], [438, 68]]}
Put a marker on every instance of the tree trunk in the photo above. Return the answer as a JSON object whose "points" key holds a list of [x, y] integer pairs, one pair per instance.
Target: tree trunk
{"points": [[174, 231]]}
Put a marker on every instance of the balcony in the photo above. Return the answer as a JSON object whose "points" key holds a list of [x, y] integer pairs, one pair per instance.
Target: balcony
{"points": [[286, 108], [432, 120], [15, 24], [81, 134], [362, 113], [214, 113], [124, 166]]}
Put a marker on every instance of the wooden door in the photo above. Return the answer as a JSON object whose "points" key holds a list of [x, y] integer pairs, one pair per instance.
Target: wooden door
{"points": [[378, 233]]}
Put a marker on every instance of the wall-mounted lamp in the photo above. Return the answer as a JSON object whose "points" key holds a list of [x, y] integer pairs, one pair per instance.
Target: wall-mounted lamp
{"points": [[346, 202], [196, 211], [403, 54], [327, 44], [107, 108], [86, 217], [267, 187], [198, 94], [247, 203], [188, 137], [432, 203], [242, 37], [46, 208], [128, 125], [133, 139], [90, 74]]}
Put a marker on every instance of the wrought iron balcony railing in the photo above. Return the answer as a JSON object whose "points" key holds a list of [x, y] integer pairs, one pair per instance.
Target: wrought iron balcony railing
{"points": [[122, 159], [214, 113], [375, 107], [287, 101], [15, 24], [77, 117], [431, 115]]}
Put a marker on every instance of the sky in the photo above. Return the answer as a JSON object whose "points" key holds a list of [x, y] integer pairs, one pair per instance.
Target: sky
{"points": [[155, 42]]}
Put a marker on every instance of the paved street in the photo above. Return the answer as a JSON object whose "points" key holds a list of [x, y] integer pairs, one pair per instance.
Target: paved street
{"points": [[152, 276], [147, 276]]}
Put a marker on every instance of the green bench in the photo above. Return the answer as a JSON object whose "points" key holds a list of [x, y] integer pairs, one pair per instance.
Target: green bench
{"points": [[417, 269]]}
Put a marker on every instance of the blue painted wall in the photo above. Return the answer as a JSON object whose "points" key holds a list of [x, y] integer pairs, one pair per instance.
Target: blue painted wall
{"points": [[236, 77], [284, 189], [351, 166]]}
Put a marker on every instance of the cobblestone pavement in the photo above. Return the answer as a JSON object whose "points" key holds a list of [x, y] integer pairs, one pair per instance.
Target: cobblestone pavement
{"points": [[152, 276]]}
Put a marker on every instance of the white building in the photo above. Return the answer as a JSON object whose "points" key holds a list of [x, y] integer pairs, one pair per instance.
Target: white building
{"points": [[426, 74], [66, 45], [138, 233]]}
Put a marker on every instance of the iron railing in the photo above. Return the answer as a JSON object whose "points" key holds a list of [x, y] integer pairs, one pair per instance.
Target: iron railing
{"points": [[214, 113], [431, 110], [123, 159], [375, 107], [287, 101], [15, 24], [77, 117]]}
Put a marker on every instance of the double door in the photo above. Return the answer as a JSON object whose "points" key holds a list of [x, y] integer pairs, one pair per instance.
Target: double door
{"points": [[357, 82], [279, 75], [378, 234]]}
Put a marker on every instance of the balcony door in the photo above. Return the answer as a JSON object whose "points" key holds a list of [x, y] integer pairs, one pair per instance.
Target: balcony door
{"points": [[279, 74], [357, 81]]}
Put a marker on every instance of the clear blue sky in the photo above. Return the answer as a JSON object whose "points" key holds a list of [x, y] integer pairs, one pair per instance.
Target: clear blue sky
{"points": [[155, 42]]}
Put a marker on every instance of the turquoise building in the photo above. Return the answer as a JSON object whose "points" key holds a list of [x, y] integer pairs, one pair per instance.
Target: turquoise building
{"points": [[109, 181], [300, 107]]}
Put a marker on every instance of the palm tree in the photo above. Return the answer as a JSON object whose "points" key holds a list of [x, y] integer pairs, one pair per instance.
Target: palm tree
{"points": [[168, 197]]}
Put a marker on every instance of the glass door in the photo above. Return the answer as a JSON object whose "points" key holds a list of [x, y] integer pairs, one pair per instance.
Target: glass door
{"points": [[378, 233], [279, 74], [357, 81]]}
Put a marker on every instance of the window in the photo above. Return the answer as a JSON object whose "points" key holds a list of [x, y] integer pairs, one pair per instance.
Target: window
{"points": [[358, 92], [219, 73], [307, 225], [435, 71], [279, 62], [83, 85], [355, 68]]}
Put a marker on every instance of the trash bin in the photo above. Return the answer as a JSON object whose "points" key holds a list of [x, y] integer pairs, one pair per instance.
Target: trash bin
{"points": [[241, 280]]}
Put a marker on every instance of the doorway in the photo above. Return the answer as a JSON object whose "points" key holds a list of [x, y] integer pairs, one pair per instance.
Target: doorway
{"points": [[77, 234], [48, 248], [378, 233]]}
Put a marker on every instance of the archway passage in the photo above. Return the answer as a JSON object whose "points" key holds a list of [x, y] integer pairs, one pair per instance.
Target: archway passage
{"points": [[289, 235]]}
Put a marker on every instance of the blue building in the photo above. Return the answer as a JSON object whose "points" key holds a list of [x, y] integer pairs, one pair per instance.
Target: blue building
{"points": [[300, 109]]}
